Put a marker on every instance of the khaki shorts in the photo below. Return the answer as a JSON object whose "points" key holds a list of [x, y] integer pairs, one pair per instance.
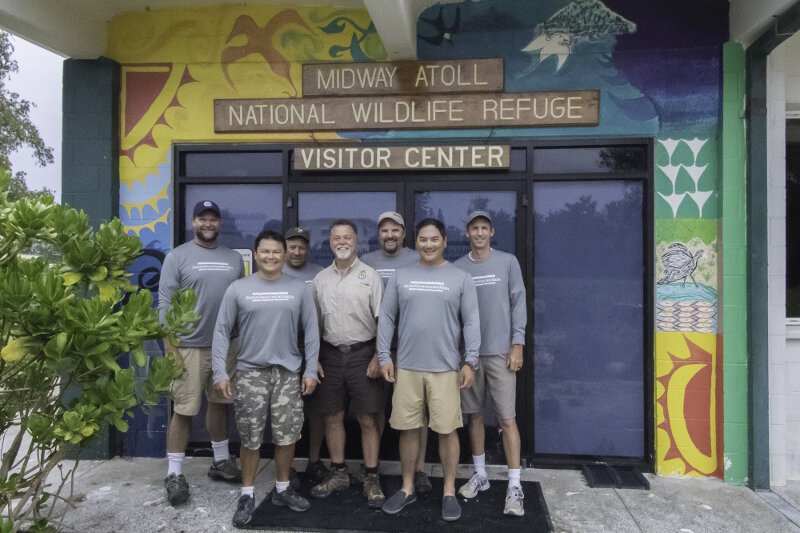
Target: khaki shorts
{"points": [[413, 391], [492, 375], [187, 390], [273, 391]]}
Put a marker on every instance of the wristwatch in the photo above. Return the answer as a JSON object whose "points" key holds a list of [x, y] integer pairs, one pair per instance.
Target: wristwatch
{"points": [[474, 366]]}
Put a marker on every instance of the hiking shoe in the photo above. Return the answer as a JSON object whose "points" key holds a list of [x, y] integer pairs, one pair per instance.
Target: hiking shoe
{"points": [[514, 502], [289, 498], [372, 491], [451, 510], [357, 478], [177, 489], [336, 481], [422, 485], [317, 472], [244, 511], [294, 479], [225, 470], [398, 502], [476, 483]]}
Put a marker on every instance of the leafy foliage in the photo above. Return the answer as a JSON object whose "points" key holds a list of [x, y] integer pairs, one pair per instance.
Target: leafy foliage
{"points": [[63, 328]]}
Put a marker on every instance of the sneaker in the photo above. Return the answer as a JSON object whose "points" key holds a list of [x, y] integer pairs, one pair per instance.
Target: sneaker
{"points": [[225, 470], [372, 491], [289, 498], [476, 483], [336, 481], [451, 510], [398, 502], [422, 485], [294, 479], [514, 502], [177, 489], [244, 511], [317, 472], [357, 478]]}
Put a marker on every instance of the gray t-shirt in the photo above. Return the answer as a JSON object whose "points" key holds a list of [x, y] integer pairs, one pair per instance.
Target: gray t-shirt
{"points": [[430, 304], [501, 300], [306, 273], [268, 315], [209, 271], [385, 265]]}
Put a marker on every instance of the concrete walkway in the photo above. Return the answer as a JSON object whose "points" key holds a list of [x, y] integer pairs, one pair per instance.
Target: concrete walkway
{"points": [[128, 495]]}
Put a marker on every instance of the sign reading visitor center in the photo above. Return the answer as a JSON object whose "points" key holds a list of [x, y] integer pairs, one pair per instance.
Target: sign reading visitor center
{"points": [[407, 95], [457, 157]]}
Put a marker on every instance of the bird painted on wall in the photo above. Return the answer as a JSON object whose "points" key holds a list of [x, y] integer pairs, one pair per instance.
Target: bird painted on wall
{"points": [[679, 263], [259, 41], [444, 33]]}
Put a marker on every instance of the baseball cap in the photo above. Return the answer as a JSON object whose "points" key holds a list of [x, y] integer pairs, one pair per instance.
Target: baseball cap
{"points": [[478, 214], [206, 205], [292, 233], [391, 215]]}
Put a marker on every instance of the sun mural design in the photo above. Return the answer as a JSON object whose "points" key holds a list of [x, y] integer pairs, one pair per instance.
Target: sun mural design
{"points": [[688, 404]]}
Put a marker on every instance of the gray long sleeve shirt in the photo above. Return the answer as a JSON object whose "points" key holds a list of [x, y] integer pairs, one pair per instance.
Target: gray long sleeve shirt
{"points": [[268, 315], [306, 273], [430, 304], [501, 300], [209, 271], [386, 265]]}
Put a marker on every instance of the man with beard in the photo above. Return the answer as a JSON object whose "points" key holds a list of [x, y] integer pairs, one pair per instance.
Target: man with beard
{"points": [[386, 260], [434, 304], [298, 241], [348, 296], [209, 268]]}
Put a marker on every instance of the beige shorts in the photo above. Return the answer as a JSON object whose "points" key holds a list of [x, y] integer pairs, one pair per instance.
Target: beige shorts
{"points": [[413, 391], [187, 390], [492, 375]]}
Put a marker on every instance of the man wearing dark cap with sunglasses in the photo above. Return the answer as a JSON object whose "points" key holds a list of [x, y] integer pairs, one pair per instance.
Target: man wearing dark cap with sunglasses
{"points": [[207, 267]]}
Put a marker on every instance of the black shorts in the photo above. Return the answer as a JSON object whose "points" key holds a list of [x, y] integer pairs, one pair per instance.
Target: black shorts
{"points": [[346, 381]]}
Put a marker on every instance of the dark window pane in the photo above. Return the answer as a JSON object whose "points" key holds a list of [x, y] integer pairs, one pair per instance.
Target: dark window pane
{"points": [[588, 330], [233, 164], [246, 210], [316, 211], [452, 208], [519, 159], [589, 160], [793, 221]]}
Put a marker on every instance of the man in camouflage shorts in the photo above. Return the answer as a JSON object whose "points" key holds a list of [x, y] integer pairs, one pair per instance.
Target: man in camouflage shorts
{"points": [[268, 308]]}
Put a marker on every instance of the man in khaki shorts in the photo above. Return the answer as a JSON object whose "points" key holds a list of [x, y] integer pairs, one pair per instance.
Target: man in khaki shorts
{"points": [[501, 302], [433, 303], [207, 267]]}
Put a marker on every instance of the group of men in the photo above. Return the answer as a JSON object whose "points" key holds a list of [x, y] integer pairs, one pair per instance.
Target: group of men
{"points": [[343, 337]]}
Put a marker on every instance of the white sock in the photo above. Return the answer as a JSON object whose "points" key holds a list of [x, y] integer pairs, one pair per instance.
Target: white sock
{"points": [[247, 491], [281, 486], [513, 478], [221, 452], [480, 464], [175, 462]]}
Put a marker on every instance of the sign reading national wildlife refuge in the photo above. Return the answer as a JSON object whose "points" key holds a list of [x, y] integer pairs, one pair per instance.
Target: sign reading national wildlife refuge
{"points": [[458, 157], [407, 95]]}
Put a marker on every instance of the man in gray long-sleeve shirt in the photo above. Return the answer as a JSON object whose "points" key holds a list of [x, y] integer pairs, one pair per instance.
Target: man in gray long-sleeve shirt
{"points": [[268, 309], [501, 301], [207, 267], [434, 303]]}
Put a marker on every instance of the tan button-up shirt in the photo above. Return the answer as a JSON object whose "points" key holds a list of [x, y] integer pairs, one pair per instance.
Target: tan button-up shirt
{"points": [[348, 303]]}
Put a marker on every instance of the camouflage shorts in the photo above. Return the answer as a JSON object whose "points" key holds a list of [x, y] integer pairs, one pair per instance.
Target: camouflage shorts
{"points": [[274, 391]]}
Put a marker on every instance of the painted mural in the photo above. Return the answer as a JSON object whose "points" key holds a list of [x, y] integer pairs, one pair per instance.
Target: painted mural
{"points": [[176, 62]]}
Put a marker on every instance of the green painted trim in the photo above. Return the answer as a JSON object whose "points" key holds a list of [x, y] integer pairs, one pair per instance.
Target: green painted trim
{"points": [[734, 279]]}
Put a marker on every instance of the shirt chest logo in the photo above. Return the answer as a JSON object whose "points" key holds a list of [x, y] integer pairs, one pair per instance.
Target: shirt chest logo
{"points": [[362, 275]]}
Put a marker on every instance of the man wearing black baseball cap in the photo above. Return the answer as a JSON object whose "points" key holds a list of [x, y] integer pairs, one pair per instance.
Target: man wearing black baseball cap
{"points": [[208, 268]]}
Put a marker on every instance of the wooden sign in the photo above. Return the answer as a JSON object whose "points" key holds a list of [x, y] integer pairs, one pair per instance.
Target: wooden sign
{"points": [[403, 77], [360, 157], [503, 110]]}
